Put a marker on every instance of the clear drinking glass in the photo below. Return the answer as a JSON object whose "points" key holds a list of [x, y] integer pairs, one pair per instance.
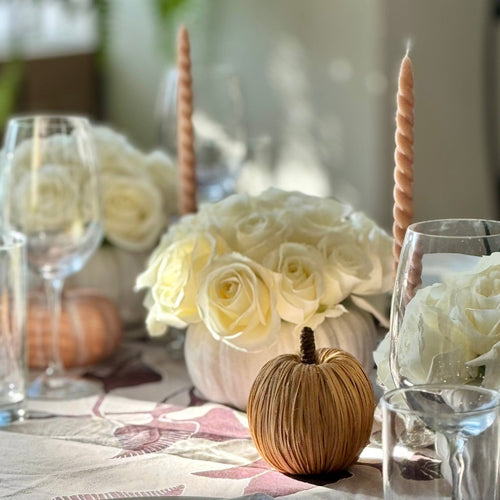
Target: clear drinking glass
{"points": [[50, 192], [219, 129], [461, 459], [12, 327], [445, 315]]}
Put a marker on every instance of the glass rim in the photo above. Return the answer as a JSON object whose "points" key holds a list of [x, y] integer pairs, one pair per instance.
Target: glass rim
{"points": [[413, 228], [11, 239], [26, 120], [494, 403]]}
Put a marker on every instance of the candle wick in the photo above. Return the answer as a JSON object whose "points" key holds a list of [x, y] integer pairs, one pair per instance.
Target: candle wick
{"points": [[409, 45]]}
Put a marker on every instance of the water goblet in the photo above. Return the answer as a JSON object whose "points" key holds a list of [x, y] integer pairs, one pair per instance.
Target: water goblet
{"points": [[445, 314], [50, 193]]}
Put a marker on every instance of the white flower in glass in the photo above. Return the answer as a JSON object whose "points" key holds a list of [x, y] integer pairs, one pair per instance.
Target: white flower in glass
{"points": [[52, 206]]}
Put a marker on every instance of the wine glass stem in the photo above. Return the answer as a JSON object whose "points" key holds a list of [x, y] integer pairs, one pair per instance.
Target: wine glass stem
{"points": [[457, 465], [53, 289]]}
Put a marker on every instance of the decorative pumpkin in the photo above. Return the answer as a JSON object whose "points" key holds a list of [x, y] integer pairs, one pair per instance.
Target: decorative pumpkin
{"points": [[113, 272], [225, 375], [311, 413], [90, 329]]}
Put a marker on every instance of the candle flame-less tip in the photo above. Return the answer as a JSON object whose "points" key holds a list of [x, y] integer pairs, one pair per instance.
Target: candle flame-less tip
{"points": [[409, 46]]}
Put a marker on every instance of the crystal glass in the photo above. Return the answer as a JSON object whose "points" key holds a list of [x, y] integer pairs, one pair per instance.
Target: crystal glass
{"points": [[12, 327], [219, 129], [445, 315], [461, 459], [50, 192]]}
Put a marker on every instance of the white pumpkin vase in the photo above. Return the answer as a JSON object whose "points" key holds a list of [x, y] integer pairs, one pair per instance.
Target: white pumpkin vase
{"points": [[225, 375]]}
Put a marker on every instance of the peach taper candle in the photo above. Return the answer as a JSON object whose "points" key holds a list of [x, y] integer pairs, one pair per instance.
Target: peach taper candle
{"points": [[185, 136], [403, 172]]}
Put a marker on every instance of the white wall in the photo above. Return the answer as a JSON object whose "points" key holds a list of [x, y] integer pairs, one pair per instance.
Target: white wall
{"points": [[452, 163], [135, 65], [320, 79]]}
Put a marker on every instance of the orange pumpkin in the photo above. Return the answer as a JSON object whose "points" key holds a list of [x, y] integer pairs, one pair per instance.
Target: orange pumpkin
{"points": [[90, 328]]}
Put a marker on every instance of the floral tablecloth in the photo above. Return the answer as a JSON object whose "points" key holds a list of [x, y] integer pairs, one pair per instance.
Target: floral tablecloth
{"points": [[150, 435]]}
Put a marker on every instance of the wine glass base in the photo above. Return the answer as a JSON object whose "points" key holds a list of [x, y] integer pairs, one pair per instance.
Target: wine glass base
{"points": [[62, 387]]}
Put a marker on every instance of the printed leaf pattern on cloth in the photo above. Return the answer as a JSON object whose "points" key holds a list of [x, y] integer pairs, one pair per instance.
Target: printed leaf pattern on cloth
{"points": [[171, 492], [217, 424], [263, 479], [420, 469]]}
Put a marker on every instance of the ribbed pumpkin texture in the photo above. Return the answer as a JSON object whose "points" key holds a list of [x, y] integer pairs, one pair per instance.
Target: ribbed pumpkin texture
{"points": [[90, 329], [311, 413]]}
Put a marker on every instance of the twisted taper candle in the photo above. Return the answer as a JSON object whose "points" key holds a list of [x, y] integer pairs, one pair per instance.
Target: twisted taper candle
{"points": [[403, 172], [185, 136]]}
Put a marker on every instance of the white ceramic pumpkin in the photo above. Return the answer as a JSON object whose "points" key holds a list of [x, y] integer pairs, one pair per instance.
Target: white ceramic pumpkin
{"points": [[113, 272], [225, 375]]}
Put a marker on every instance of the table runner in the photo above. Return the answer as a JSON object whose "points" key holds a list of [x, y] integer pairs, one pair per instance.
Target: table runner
{"points": [[149, 435]]}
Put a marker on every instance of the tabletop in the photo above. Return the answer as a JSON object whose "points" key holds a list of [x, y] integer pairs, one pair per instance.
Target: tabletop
{"points": [[150, 434]]}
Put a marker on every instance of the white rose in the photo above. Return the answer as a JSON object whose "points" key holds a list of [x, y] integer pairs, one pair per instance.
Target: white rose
{"points": [[53, 206], [132, 208], [476, 308], [260, 231], [314, 220], [225, 215], [115, 155], [237, 302], [476, 311], [173, 274], [381, 357], [348, 263], [59, 150], [302, 291], [431, 346], [376, 244]]}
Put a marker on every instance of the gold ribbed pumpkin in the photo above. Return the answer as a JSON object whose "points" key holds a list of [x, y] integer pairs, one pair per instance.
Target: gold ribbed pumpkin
{"points": [[311, 413]]}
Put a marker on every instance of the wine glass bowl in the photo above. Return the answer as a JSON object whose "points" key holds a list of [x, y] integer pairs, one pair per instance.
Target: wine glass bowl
{"points": [[50, 192], [445, 301], [218, 124]]}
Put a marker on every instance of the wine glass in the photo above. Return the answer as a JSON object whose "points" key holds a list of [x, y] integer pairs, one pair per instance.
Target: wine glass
{"points": [[218, 123], [50, 192], [445, 316]]}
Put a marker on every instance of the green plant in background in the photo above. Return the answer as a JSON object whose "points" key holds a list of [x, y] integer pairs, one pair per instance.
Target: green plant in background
{"points": [[10, 83], [169, 14]]}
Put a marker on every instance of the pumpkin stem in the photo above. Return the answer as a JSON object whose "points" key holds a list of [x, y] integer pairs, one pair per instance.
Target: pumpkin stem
{"points": [[307, 346]]}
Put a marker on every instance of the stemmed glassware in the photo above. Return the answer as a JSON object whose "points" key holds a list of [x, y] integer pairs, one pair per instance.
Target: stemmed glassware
{"points": [[219, 128], [50, 192], [444, 314], [445, 326]]}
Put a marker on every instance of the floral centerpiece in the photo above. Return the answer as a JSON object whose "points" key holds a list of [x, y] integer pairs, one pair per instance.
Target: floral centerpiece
{"points": [[139, 194], [459, 319], [248, 272]]}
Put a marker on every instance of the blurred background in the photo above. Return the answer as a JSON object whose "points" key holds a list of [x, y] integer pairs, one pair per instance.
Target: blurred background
{"points": [[311, 92]]}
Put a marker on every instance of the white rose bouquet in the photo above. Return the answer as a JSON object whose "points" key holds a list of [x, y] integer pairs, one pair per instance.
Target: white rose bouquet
{"points": [[138, 190], [456, 321], [244, 265]]}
